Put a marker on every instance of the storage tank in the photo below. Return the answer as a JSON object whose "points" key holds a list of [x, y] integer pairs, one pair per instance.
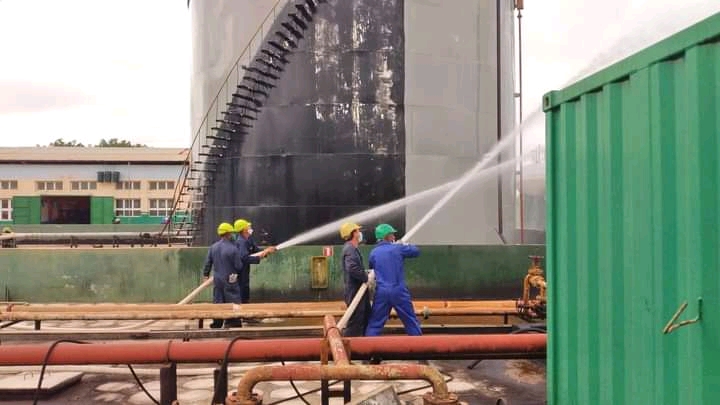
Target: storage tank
{"points": [[633, 219], [220, 30], [369, 101]]}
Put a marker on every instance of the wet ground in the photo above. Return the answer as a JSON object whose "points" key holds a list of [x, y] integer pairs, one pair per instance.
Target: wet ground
{"points": [[519, 382]]}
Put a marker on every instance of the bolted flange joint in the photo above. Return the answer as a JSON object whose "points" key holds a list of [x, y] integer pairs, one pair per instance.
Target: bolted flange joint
{"points": [[232, 399], [430, 399]]}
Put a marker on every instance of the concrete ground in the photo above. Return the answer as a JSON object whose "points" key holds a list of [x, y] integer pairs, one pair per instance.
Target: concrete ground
{"points": [[519, 382]]}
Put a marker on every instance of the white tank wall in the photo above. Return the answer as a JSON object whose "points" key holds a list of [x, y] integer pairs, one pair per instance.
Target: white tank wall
{"points": [[220, 31], [451, 114]]}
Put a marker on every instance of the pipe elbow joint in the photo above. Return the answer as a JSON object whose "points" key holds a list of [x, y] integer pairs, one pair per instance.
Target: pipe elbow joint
{"points": [[233, 399]]}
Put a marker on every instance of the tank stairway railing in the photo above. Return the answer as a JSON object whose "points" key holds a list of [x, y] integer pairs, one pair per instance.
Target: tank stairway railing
{"points": [[233, 110]]}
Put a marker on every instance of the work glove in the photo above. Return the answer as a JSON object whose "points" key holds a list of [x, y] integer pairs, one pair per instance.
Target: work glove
{"points": [[265, 252], [371, 277]]}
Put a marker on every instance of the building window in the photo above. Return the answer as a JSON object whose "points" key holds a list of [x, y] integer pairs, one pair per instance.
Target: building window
{"points": [[127, 208], [5, 209], [160, 207], [83, 185], [49, 185], [161, 185], [8, 184], [128, 185]]}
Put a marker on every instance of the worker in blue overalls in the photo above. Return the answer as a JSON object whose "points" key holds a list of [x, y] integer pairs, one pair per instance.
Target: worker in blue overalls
{"points": [[391, 292], [250, 253], [226, 262]]}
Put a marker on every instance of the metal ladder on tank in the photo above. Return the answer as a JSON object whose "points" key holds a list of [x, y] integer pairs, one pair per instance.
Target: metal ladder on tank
{"points": [[243, 96]]}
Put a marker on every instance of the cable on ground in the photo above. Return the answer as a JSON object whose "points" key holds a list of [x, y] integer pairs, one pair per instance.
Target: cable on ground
{"points": [[224, 365], [299, 395], [52, 347], [142, 386]]}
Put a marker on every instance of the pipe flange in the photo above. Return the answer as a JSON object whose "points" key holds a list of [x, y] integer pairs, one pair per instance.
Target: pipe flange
{"points": [[232, 399], [430, 399]]}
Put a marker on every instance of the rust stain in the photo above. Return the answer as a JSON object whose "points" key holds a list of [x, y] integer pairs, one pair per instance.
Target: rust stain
{"points": [[439, 396], [525, 371]]}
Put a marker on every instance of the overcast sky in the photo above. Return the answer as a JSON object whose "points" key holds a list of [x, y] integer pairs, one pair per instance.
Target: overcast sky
{"points": [[91, 69]]}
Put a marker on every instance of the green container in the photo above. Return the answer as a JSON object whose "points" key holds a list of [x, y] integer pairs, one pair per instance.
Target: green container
{"points": [[633, 227]]}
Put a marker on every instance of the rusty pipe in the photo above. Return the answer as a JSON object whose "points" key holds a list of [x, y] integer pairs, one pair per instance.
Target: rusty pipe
{"points": [[308, 349], [299, 372], [187, 312], [537, 281], [79, 235], [337, 348], [336, 307]]}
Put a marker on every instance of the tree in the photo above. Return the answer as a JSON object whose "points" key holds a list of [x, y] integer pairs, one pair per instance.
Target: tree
{"points": [[61, 142], [115, 143]]}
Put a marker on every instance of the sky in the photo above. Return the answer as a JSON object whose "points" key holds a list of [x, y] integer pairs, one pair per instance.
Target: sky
{"points": [[93, 69], [565, 40]]}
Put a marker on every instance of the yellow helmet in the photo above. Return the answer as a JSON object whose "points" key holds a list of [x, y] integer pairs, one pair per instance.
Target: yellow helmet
{"points": [[224, 228], [241, 225], [347, 229]]}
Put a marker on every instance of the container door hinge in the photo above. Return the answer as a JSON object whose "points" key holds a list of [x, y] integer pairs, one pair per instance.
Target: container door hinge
{"points": [[671, 325]]}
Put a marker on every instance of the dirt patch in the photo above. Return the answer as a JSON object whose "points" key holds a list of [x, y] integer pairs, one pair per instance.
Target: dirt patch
{"points": [[526, 371]]}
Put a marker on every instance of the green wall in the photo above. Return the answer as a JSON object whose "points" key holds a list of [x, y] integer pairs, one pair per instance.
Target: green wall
{"points": [[26, 210], [101, 210], [143, 219], [169, 274]]}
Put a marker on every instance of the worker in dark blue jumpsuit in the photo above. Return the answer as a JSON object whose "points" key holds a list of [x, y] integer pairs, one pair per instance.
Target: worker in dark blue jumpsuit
{"points": [[354, 276], [226, 262], [391, 292], [248, 249]]}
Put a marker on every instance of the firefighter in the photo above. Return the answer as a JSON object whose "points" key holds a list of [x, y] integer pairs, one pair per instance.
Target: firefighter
{"points": [[354, 276], [246, 246], [391, 292], [226, 262]]}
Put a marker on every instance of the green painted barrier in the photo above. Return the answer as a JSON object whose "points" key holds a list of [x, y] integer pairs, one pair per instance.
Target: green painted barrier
{"points": [[169, 274]]}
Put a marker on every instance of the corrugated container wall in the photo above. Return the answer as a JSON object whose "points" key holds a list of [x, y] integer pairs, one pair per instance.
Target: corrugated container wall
{"points": [[633, 227]]}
